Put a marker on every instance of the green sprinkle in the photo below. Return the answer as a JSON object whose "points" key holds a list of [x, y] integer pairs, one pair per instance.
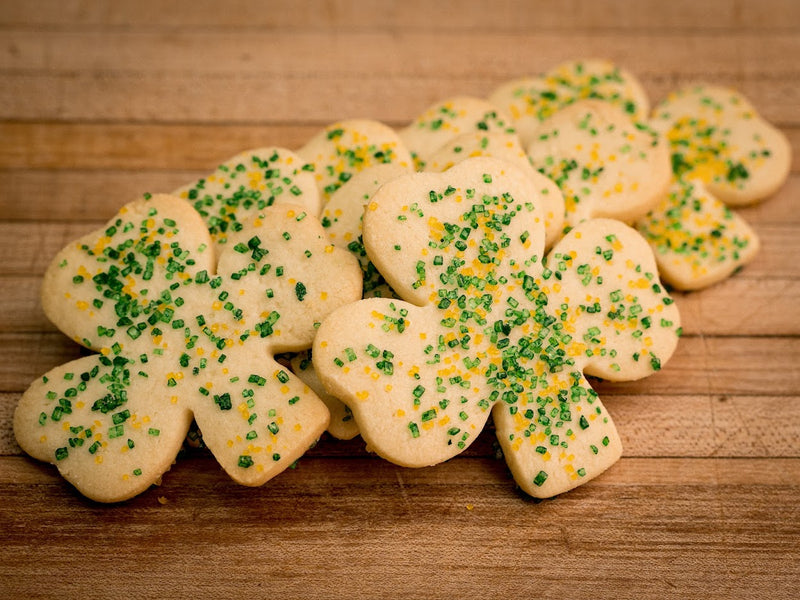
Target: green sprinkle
{"points": [[428, 415], [257, 379], [300, 291]]}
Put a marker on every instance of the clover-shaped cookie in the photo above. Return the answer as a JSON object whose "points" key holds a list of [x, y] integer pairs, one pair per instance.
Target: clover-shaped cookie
{"points": [[342, 219], [697, 240], [717, 137], [445, 120], [530, 100], [507, 147], [344, 148], [343, 215], [246, 184], [177, 335], [489, 324], [604, 163], [723, 154], [718, 147]]}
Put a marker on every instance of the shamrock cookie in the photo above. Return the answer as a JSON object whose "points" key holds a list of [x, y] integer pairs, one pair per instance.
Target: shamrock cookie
{"points": [[443, 121], [343, 149], [343, 215], [248, 183], [530, 100], [178, 335], [342, 220], [342, 426], [487, 323], [605, 165], [717, 137], [506, 147], [697, 239]]}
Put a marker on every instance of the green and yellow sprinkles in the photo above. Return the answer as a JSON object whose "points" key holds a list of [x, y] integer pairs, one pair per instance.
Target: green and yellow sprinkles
{"points": [[175, 335], [344, 148], [450, 118], [714, 138], [505, 146], [248, 183], [697, 240], [416, 263], [604, 163], [490, 325], [533, 99], [717, 137]]}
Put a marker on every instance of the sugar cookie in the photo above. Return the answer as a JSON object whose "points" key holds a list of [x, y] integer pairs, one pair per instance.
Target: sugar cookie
{"points": [[530, 100], [248, 183], [178, 336], [342, 220], [444, 120], [717, 137], [506, 147], [488, 323], [697, 240], [344, 148], [605, 165], [342, 426]]}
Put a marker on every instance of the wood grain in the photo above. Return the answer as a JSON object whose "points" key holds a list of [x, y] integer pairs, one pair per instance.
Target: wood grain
{"points": [[101, 102], [434, 533]]}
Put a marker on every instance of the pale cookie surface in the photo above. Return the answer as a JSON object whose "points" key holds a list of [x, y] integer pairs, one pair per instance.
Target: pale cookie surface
{"points": [[716, 136], [248, 183], [342, 219], [530, 100], [504, 146], [344, 148], [342, 425], [488, 324], [178, 336], [443, 121], [605, 165], [697, 240]]}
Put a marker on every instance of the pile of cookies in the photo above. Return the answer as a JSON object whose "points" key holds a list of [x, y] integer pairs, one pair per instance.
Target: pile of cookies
{"points": [[404, 285]]}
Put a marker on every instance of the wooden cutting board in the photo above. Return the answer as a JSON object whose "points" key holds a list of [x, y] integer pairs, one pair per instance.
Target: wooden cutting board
{"points": [[100, 102]]}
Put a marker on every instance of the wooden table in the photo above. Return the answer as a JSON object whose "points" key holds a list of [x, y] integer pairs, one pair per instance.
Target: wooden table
{"points": [[100, 102]]}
